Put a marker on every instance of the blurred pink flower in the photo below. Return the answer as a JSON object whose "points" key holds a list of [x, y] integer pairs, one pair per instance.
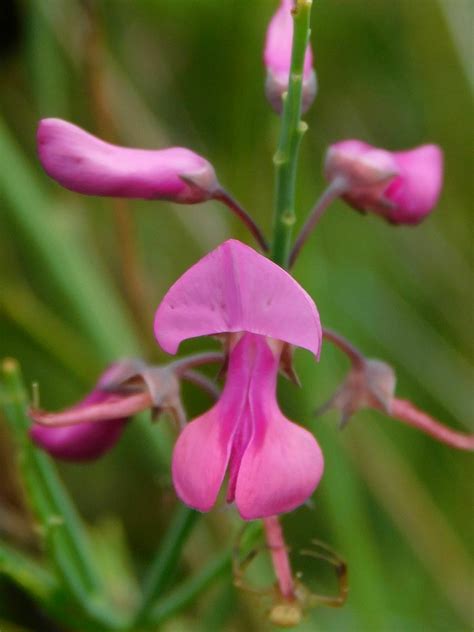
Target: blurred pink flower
{"points": [[92, 427], [401, 186], [83, 163], [274, 465], [277, 60]]}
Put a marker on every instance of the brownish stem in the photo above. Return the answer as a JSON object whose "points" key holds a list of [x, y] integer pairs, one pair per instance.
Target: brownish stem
{"points": [[355, 356], [242, 214], [405, 411], [198, 359], [203, 382], [332, 192], [279, 554]]}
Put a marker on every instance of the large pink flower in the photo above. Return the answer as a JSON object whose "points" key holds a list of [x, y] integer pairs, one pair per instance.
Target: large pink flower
{"points": [[274, 465], [401, 186]]}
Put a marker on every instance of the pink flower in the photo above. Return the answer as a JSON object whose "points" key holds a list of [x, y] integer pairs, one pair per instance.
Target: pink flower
{"points": [[274, 465], [277, 60], [92, 427], [401, 186], [83, 163]]}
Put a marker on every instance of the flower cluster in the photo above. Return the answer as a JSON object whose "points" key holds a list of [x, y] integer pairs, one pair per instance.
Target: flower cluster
{"points": [[251, 303]]}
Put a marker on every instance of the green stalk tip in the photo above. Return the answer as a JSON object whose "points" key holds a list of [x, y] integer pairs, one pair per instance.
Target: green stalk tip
{"points": [[10, 366]]}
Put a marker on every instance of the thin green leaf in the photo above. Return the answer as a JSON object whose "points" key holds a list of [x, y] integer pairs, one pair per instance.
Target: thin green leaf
{"points": [[62, 532], [188, 592], [167, 557], [75, 273]]}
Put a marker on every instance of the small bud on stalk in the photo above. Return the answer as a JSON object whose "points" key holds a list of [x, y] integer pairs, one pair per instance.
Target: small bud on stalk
{"points": [[89, 429], [402, 186], [86, 164], [277, 60], [371, 384], [83, 163]]}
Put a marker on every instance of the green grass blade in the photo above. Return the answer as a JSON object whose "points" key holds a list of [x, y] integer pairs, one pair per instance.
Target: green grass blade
{"points": [[76, 275], [61, 529], [168, 555]]}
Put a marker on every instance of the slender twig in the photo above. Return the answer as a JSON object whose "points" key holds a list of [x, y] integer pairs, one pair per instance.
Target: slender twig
{"points": [[192, 361], [355, 356], [291, 133], [405, 411], [332, 192], [223, 196], [94, 413], [203, 382]]}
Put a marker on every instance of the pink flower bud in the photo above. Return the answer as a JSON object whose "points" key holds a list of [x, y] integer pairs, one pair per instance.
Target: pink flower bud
{"points": [[91, 427], [403, 187], [83, 163], [277, 60]]}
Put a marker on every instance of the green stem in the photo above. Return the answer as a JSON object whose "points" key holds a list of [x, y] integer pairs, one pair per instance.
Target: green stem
{"points": [[191, 589], [28, 575], [185, 594], [61, 529], [167, 558], [291, 133]]}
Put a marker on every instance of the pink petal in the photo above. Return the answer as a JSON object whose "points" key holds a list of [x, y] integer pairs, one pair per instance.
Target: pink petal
{"points": [[403, 187], [282, 464], [93, 426], [416, 191], [279, 470], [204, 448], [85, 164], [83, 442], [235, 289], [359, 164], [200, 460]]}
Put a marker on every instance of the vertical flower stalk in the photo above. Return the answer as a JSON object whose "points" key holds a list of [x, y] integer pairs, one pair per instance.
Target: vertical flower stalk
{"points": [[292, 130], [286, 162]]}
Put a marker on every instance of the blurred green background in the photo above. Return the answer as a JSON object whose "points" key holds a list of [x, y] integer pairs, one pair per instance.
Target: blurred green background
{"points": [[80, 278]]}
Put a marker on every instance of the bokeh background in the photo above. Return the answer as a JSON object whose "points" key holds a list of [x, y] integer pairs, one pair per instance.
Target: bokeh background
{"points": [[80, 279]]}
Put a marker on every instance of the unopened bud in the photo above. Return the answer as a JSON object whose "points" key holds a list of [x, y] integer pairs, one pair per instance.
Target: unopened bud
{"points": [[90, 428], [277, 60], [83, 163], [403, 187]]}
